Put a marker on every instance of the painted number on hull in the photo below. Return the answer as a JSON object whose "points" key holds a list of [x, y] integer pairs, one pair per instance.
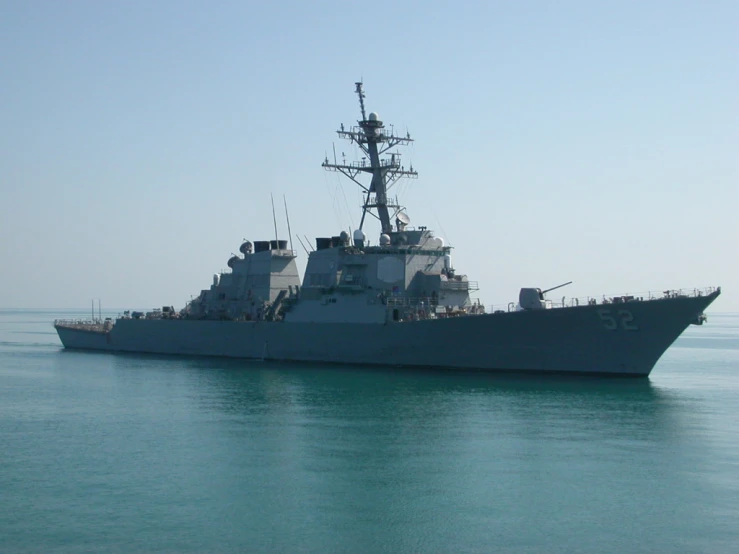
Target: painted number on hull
{"points": [[622, 318]]}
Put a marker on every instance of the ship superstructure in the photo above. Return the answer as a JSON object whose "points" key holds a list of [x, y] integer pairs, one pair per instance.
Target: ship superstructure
{"points": [[394, 301]]}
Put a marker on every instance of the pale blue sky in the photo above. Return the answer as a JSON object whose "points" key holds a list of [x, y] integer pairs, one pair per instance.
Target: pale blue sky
{"points": [[589, 141]]}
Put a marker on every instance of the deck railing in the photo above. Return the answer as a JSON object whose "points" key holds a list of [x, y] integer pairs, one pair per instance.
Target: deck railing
{"points": [[566, 302], [453, 284], [85, 324]]}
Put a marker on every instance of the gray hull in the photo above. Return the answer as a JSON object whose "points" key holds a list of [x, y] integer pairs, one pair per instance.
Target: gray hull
{"points": [[625, 338]]}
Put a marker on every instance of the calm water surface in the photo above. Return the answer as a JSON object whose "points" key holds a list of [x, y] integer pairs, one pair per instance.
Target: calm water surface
{"points": [[124, 453]]}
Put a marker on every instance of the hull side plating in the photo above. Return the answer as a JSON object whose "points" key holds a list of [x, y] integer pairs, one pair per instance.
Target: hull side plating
{"points": [[623, 339]]}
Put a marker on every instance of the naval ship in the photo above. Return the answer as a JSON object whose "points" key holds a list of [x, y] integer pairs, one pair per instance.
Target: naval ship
{"points": [[395, 301]]}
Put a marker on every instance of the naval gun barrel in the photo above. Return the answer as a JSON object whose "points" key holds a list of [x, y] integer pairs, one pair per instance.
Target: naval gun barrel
{"points": [[557, 287]]}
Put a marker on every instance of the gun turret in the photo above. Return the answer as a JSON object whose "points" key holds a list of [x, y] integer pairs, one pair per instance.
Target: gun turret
{"points": [[533, 299]]}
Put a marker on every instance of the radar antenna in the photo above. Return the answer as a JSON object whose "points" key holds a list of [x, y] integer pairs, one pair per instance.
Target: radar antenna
{"points": [[360, 92], [374, 140]]}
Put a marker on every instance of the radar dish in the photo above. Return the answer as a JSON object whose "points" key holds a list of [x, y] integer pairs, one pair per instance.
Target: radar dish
{"points": [[403, 218]]}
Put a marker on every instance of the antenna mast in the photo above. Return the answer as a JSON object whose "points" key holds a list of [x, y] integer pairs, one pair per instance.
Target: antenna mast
{"points": [[287, 216], [360, 92], [274, 219], [372, 138]]}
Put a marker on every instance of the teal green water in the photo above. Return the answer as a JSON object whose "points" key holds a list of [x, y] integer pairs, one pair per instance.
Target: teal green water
{"points": [[123, 453]]}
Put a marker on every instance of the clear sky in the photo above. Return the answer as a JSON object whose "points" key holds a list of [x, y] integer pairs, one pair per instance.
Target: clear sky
{"points": [[593, 141]]}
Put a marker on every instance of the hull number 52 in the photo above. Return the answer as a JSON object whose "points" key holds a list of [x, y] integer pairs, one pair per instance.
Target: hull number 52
{"points": [[621, 318]]}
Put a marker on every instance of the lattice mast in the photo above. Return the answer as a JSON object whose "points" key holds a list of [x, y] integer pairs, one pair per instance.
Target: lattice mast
{"points": [[372, 138]]}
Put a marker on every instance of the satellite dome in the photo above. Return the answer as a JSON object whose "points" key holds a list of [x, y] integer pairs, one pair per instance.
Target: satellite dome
{"points": [[384, 239], [374, 117], [359, 234], [232, 261], [344, 236]]}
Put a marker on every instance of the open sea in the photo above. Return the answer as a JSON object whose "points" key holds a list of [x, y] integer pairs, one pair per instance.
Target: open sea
{"points": [[136, 453]]}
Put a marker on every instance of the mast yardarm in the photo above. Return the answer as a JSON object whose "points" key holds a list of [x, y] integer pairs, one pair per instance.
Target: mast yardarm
{"points": [[374, 140]]}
